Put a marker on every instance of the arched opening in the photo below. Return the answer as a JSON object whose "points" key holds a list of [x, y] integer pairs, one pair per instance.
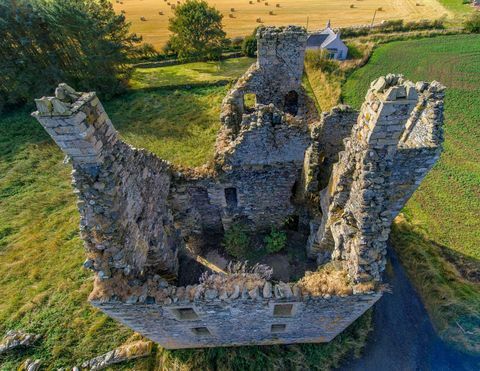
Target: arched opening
{"points": [[291, 103]]}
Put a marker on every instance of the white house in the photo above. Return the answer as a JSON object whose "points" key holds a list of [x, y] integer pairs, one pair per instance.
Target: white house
{"points": [[329, 40]]}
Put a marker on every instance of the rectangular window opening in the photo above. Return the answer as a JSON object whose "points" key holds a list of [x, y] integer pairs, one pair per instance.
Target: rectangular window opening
{"points": [[201, 331], [278, 328], [249, 102], [283, 310], [231, 197], [185, 314]]}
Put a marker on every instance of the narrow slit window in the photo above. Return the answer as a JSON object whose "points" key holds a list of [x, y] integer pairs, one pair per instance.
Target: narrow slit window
{"points": [[291, 103], [278, 328], [231, 197], [201, 331], [283, 310], [185, 314]]}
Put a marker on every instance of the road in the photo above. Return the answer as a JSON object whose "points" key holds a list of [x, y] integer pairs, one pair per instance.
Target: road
{"points": [[403, 337]]}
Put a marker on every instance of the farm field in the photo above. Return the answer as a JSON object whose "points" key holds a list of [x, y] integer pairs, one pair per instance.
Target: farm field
{"points": [[45, 289], [154, 28], [438, 235]]}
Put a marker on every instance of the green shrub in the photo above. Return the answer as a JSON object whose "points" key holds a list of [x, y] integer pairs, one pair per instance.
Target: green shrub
{"points": [[237, 41], [275, 241], [394, 25], [319, 59], [354, 52], [473, 23], [236, 241], [249, 46]]}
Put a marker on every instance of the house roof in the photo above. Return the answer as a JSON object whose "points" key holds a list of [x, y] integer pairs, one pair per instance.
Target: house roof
{"points": [[316, 39], [322, 38]]}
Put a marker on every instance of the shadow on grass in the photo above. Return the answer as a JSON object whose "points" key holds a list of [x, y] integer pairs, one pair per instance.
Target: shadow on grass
{"points": [[18, 129], [447, 281], [188, 86]]}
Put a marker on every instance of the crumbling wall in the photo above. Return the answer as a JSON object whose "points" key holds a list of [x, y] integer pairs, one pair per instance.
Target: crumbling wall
{"points": [[274, 79], [260, 168], [328, 135], [125, 223], [379, 170]]}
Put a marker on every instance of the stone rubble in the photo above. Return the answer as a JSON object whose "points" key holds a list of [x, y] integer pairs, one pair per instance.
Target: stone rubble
{"points": [[121, 354], [30, 365], [16, 339]]}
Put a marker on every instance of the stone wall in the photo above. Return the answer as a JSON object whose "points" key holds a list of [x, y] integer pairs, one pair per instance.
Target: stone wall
{"points": [[125, 223], [394, 143], [259, 169], [328, 135], [238, 309], [281, 54]]}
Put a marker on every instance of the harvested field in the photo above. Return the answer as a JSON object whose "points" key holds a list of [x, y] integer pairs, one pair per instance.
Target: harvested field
{"points": [[154, 27]]}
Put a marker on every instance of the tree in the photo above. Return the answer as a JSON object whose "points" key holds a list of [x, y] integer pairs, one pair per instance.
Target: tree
{"points": [[472, 24], [197, 31], [249, 46], [44, 42]]}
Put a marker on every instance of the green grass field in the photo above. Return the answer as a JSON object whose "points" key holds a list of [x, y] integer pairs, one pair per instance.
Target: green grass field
{"points": [[438, 237], [457, 7], [43, 286]]}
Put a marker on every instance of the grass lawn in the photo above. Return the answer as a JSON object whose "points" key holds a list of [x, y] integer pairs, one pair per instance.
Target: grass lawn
{"points": [[438, 235], [456, 6], [43, 286], [191, 73]]}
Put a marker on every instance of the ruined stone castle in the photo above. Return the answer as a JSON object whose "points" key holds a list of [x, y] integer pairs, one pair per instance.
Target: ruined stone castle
{"points": [[341, 176]]}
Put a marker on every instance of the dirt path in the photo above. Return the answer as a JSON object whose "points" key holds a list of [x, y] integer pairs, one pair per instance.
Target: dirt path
{"points": [[403, 336]]}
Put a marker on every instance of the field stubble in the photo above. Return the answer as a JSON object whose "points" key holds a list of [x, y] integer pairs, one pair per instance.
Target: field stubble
{"points": [[154, 27]]}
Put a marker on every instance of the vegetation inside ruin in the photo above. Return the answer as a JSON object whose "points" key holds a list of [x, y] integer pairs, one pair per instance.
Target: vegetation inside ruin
{"points": [[275, 241], [438, 236], [329, 279], [237, 241]]}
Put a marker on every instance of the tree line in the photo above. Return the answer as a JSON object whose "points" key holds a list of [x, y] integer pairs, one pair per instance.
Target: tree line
{"points": [[44, 42]]}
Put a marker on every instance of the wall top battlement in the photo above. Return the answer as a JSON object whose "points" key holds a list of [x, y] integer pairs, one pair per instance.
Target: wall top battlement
{"points": [[281, 32], [394, 87], [66, 102]]}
